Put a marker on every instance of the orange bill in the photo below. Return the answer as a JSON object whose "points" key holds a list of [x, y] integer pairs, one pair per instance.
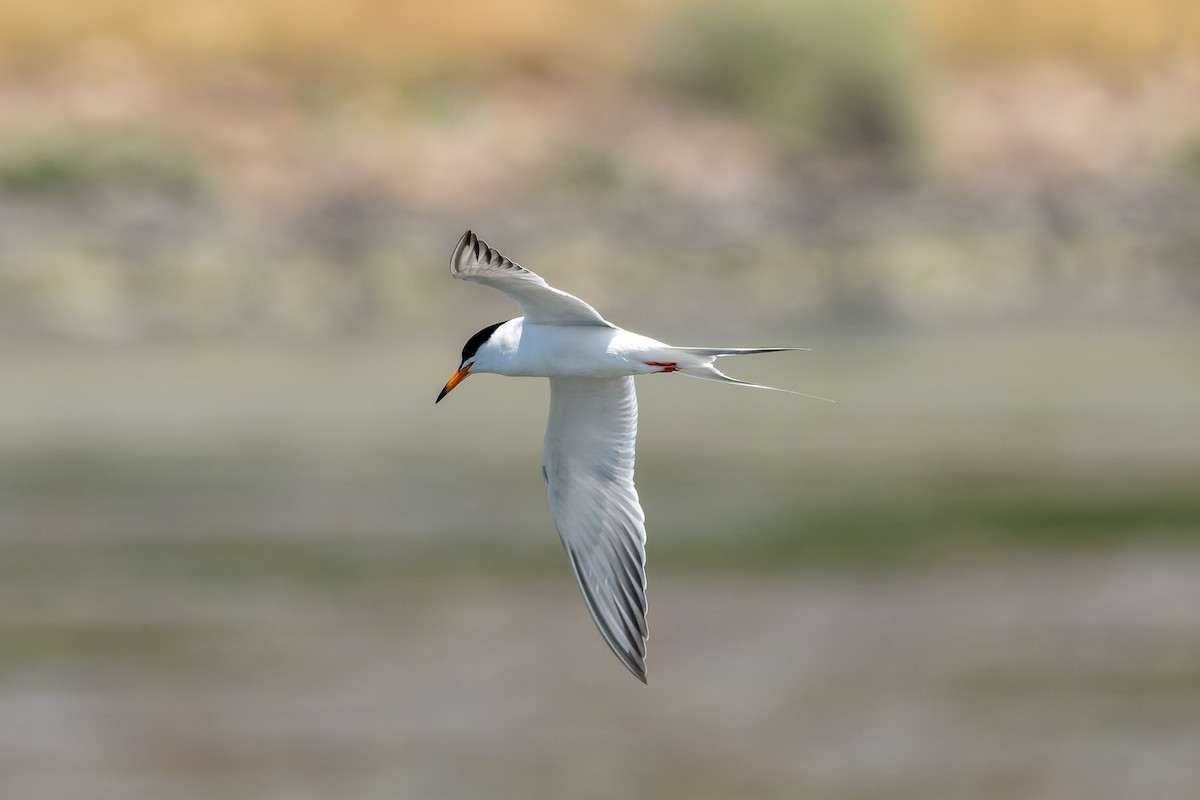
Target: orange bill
{"points": [[455, 380]]}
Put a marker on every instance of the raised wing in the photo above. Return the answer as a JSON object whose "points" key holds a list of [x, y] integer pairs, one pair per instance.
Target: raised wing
{"points": [[588, 466], [473, 260]]}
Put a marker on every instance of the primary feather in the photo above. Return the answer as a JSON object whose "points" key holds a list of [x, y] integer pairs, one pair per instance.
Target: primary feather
{"points": [[473, 260]]}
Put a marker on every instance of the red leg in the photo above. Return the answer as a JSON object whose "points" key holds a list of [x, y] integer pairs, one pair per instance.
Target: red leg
{"points": [[667, 366]]}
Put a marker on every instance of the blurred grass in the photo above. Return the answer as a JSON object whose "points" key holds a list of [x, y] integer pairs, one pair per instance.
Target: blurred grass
{"points": [[167, 645], [305, 40], [322, 472], [323, 41], [842, 522], [828, 76], [1109, 35], [71, 168]]}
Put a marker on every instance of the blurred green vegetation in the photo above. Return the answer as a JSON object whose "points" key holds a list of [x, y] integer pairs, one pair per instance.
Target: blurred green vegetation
{"points": [[1188, 157], [322, 473], [836, 522], [70, 168], [823, 75]]}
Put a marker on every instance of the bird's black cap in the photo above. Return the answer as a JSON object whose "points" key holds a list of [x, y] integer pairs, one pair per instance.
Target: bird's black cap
{"points": [[475, 342]]}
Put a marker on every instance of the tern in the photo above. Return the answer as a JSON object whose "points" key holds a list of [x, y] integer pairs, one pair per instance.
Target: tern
{"points": [[588, 452]]}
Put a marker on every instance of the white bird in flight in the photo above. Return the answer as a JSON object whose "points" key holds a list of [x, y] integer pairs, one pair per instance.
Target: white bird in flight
{"points": [[588, 453]]}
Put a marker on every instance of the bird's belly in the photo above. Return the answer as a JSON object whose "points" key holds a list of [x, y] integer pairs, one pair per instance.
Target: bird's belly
{"points": [[571, 366]]}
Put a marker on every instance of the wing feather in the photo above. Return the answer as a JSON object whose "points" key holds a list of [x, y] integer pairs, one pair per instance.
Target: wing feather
{"points": [[473, 260], [588, 464]]}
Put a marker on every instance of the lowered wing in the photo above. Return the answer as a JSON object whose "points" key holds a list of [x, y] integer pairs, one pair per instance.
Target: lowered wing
{"points": [[588, 462]]}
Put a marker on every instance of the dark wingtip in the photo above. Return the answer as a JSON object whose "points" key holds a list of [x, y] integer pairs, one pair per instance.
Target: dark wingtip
{"points": [[467, 242]]}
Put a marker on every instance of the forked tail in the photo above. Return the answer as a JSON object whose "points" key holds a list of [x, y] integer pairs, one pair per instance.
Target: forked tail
{"points": [[707, 371], [717, 352]]}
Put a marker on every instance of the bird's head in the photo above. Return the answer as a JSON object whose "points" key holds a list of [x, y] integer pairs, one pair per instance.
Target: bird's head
{"points": [[474, 351]]}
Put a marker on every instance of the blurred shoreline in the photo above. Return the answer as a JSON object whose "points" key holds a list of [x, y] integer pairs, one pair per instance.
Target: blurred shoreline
{"points": [[130, 213]]}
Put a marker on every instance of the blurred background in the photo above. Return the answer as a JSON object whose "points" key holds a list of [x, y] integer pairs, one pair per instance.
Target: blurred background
{"points": [[243, 556]]}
